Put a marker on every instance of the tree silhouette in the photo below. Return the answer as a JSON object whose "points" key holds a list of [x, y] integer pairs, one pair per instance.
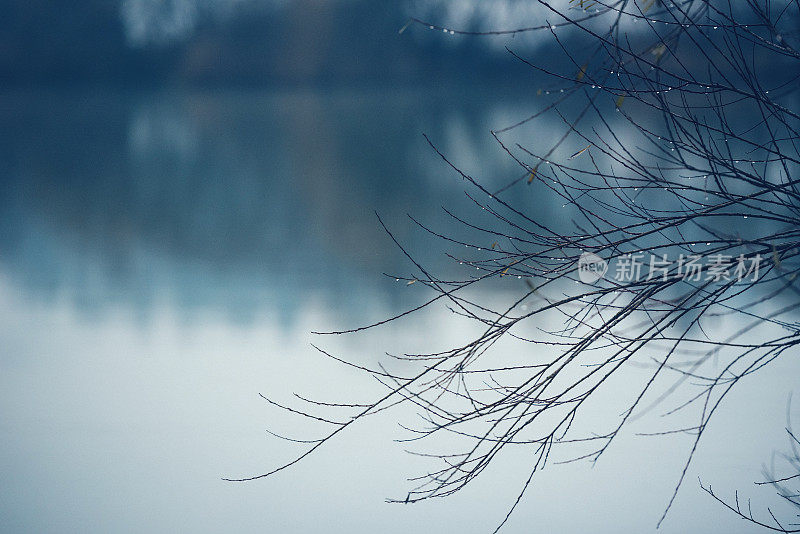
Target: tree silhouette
{"points": [[676, 174]]}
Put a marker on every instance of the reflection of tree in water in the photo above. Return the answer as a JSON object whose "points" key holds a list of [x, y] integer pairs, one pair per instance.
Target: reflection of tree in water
{"points": [[276, 191]]}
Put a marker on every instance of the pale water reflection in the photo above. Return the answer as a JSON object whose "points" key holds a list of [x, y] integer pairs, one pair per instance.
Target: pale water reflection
{"points": [[163, 258], [114, 425]]}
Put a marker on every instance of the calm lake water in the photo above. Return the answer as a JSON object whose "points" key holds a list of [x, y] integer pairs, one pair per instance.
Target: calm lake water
{"points": [[164, 257]]}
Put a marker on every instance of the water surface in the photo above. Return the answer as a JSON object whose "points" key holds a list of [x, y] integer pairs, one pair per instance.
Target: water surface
{"points": [[163, 258]]}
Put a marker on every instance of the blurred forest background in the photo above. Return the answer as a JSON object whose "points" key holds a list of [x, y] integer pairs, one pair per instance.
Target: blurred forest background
{"points": [[245, 42]]}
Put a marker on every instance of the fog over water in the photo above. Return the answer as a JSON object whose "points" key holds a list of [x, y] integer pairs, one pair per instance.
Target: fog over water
{"points": [[165, 256], [183, 202]]}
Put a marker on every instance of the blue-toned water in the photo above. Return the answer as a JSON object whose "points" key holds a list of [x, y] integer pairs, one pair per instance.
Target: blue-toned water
{"points": [[164, 257]]}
